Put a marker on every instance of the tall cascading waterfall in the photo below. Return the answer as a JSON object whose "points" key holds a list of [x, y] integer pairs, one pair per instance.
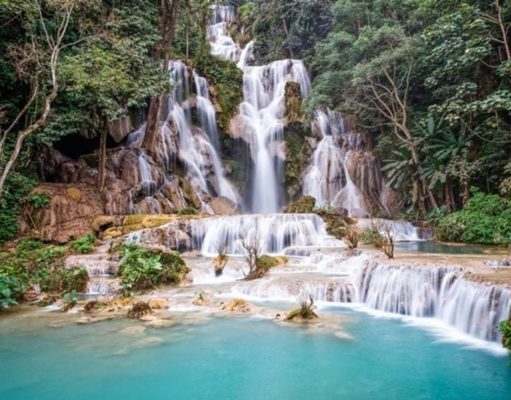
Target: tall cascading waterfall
{"points": [[328, 179], [262, 109], [196, 147]]}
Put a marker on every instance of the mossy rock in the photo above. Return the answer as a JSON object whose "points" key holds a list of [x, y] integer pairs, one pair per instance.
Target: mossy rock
{"points": [[304, 205], [139, 310], [75, 194]]}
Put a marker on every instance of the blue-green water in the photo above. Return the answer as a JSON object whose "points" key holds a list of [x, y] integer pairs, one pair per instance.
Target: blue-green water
{"points": [[245, 359], [446, 248]]}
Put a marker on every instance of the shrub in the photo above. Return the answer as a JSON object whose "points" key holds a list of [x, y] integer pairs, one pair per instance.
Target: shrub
{"points": [[305, 311], [187, 211], [65, 280], [505, 329], [17, 186], [85, 244], [371, 235], [11, 290], [486, 219], [33, 262], [142, 268]]}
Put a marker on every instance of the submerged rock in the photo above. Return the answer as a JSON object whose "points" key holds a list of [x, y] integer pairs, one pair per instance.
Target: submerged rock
{"points": [[139, 309], [236, 305]]}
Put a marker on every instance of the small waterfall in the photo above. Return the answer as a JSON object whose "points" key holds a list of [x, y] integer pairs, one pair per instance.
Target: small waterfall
{"points": [[472, 308], [278, 289], [270, 233], [146, 178], [328, 179], [206, 110], [263, 110], [222, 45], [101, 270]]}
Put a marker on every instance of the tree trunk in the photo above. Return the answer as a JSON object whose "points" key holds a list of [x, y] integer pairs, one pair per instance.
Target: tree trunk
{"points": [[102, 159], [167, 29]]}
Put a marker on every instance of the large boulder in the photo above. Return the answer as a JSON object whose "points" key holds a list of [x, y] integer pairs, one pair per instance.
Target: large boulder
{"points": [[68, 215], [223, 206]]}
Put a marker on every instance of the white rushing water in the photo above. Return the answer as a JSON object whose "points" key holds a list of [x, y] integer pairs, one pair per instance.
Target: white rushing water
{"points": [[441, 293], [262, 109], [196, 147], [328, 179], [272, 233]]}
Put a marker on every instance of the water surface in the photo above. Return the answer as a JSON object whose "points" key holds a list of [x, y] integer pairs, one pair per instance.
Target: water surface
{"points": [[244, 358]]}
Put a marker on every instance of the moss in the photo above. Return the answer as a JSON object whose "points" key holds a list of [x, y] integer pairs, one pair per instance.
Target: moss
{"points": [[187, 211], [294, 104], [305, 205], [298, 154], [266, 262], [226, 82]]}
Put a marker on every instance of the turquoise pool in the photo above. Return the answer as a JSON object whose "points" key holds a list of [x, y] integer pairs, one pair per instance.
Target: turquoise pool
{"points": [[244, 358]]}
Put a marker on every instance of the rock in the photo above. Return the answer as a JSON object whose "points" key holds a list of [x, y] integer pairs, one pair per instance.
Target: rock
{"points": [[220, 261], [74, 193], [32, 294], [223, 206], [159, 323], [68, 215], [236, 305], [158, 304], [139, 309], [133, 330], [293, 103], [304, 205], [202, 299], [120, 128], [90, 306], [104, 222]]}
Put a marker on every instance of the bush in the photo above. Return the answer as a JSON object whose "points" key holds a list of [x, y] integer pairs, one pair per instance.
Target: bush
{"points": [[486, 219], [305, 310], [11, 291], [142, 268], [85, 244], [33, 262], [17, 186], [371, 235], [65, 280], [187, 211], [505, 329]]}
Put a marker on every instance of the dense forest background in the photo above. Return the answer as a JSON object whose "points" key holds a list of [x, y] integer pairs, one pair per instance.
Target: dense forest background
{"points": [[429, 80]]}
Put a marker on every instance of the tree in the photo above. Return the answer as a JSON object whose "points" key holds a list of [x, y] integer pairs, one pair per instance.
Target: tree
{"points": [[116, 73], [168, 17], [36, 62]]}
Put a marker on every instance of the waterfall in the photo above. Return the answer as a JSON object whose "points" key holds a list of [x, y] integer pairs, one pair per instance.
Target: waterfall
{"points": [[262, 110], [206, 110], [146, 179], [222, 45], [270, 233], [328, 179], [441, 293]]}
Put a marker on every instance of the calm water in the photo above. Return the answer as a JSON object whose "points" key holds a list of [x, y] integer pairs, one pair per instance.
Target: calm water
{"points": [[244, 359], [436, 247]]}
